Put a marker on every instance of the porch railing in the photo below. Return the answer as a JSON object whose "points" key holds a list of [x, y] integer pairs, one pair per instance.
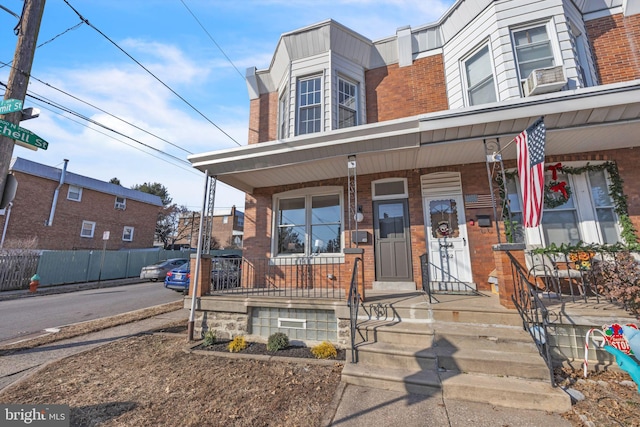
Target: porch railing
{"points": [[306, 277], [451, 286], [353, 302], [535, 316]]}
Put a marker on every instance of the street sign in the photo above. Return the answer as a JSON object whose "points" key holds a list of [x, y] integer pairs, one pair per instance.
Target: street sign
{"points": [[105, 235], [10, 106], [12, 131]]}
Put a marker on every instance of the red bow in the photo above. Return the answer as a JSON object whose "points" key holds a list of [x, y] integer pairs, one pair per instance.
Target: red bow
{"points": [[554, 170], [559, 188]]}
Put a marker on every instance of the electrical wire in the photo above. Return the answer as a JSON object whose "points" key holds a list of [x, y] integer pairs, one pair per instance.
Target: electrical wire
{"points": [[212, 39], [151, 74]]}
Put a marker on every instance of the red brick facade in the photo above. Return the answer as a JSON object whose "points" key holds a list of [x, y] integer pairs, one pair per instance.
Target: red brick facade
{"points": [[32, 206], [616, 47], [394, 92], [263, 118], [258, 211]]}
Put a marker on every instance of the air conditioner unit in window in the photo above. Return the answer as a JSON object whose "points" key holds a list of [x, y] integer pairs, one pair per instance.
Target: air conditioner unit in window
{"points": [[544, 80], [121, 206]]}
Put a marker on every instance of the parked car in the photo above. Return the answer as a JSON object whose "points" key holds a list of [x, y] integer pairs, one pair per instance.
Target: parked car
{"points": [[158, 271], [178, 278]]}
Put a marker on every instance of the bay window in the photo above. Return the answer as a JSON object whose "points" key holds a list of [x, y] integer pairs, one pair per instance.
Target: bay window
{"points": [[533, 49], [479, 78]]}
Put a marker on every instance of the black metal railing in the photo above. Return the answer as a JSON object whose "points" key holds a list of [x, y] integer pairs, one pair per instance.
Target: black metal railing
{"points": [[304, 277], [450, 286], [353, 302], [534, 314]]}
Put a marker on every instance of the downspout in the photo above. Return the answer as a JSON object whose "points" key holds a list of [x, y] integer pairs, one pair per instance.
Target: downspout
{"points": [[55, 194]]}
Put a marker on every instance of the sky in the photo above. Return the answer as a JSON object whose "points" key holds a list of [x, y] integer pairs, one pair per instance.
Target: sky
{"points": [[165, 78]]}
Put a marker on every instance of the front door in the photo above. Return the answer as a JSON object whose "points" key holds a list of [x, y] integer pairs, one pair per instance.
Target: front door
{"points": [[447, 246], [392, 243]]}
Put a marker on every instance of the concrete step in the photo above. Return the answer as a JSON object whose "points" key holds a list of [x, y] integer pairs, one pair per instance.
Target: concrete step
{"points": [[395, 312], [497, 317], [425, 382], [386, 355], [491, 362], [393, 332], [505, 392], [512, 339]]}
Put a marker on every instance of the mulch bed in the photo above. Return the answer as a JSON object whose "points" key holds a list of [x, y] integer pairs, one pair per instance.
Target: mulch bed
{"points": [[261, 349]]}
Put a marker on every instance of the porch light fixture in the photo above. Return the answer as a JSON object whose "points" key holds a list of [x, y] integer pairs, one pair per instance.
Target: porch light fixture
{"points": [[359, 217]]}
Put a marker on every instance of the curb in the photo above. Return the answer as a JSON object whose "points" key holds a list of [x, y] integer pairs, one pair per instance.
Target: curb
{"points": [[63, 289]]}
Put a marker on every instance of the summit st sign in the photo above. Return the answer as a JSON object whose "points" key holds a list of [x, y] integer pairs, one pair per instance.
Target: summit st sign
{"points": [[23, 135]]}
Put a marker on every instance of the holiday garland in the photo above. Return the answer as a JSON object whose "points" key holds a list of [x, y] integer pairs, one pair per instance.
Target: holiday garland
{"points": [[558, 193]]}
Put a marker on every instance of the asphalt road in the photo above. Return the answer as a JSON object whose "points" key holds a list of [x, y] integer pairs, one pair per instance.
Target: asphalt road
{"points": [[27, 316]]}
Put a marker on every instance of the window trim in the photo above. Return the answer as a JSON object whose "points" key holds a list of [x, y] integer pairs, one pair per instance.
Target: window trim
{"points": [[319, 105], [307, 193], [552, 36], [124, 232], [404, 195], [79, 193], [463, 72], [93, 229], [120, 205]]}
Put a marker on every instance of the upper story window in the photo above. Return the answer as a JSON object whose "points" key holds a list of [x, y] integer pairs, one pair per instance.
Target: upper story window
{"points": [[88, 227], [127, 234], [347, 104], [121, 203], [479, 78], [533, 49], [225, 219], [309, 105], [74, 193]]}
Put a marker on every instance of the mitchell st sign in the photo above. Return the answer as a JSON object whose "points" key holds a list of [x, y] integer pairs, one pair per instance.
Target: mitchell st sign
{"points": [[23, 135]]}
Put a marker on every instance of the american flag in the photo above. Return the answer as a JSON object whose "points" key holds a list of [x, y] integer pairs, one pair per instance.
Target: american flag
{"points": [[531, 171]]}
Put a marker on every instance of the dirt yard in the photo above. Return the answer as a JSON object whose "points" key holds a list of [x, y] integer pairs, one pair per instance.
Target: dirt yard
{"points": [[151, 380]]}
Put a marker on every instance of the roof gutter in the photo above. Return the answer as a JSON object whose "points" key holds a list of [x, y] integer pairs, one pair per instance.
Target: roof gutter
{"points": [[55, 194]]}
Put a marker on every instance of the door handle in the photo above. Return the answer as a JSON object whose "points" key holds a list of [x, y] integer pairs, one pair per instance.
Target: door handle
{"points": [[464, 240]]}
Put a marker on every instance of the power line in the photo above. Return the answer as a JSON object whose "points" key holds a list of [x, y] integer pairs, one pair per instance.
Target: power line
{"points": [[212, 39], [150, 73]]}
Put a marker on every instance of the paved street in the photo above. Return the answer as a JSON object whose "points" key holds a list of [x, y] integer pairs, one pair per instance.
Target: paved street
{"points": [[26, 316]]}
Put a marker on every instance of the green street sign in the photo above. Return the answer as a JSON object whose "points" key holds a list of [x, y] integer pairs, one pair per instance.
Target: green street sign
{"points": [[10, 106], [12, 131]]}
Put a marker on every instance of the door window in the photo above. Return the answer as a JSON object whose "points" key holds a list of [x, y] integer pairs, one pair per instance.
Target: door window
{"points": [[391, 220], [444, 218]]}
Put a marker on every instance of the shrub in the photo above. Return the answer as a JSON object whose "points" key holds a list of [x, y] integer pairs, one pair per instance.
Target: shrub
{"points": [[324, 350], [278, 341], [209, 338], [238, 344], [619, 279]]}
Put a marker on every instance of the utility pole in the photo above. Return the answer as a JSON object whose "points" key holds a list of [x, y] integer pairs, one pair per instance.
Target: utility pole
{"points": [[28, 28]]}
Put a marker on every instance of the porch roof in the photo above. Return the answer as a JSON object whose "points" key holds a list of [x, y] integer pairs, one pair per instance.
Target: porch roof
{"points": [[583, 120]]}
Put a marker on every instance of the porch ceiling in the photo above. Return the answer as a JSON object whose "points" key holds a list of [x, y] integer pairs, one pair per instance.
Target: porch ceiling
{"points": [[593, 119]]}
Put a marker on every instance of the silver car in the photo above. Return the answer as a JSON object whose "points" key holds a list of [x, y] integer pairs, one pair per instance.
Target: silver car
{"points": [[158, 271]]}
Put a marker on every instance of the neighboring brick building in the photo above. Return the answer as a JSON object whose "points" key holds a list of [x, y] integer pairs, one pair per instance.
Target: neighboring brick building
{"points": [[419, 115], [227, 228], [85, 208]]}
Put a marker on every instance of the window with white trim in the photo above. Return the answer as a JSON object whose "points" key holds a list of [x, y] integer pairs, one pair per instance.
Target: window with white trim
{"points": [[309, 105], [532, 49], [74, 193], [588, 215], [127, 233], [88, 227], [307, 224], [347, 103], [481, 88], [121, 203]]}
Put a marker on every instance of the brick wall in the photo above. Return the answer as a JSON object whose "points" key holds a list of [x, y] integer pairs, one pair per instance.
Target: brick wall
{"points": [[394, 92], [32, 206], [258, 213], [615, 41], [263, 118]]}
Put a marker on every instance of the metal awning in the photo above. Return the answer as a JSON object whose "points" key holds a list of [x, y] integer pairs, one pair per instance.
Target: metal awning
{"points": [[584, 120]]}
